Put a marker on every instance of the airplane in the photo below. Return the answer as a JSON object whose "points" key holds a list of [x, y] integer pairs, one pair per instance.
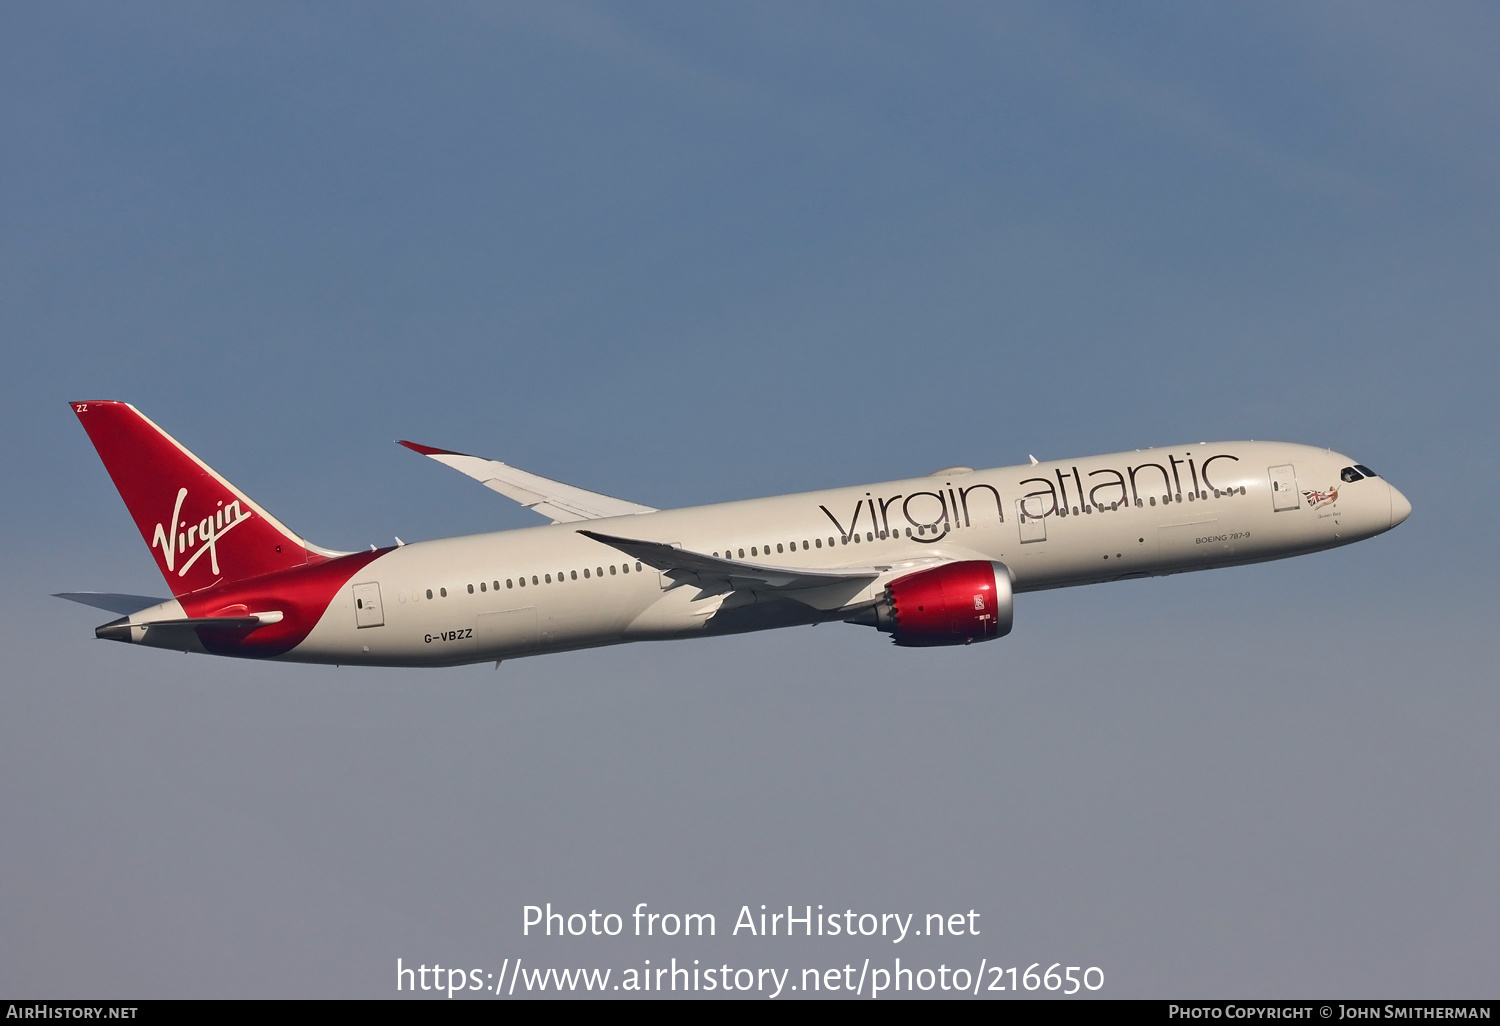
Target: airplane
{"points": [[929, 561]]}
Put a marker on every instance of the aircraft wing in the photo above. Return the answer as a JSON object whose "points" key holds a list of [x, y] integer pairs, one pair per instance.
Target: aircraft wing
{"points": [[684, 565], [562, 503], [125, 604]]}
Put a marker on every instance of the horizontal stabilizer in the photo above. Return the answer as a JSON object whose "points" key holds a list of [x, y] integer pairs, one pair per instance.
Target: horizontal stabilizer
{"points": [[119, 630], [682, 564], [125, 604], [562, 503]]}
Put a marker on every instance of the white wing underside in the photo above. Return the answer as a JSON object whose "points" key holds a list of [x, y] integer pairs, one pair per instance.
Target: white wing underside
{"points": [[561, 503]]}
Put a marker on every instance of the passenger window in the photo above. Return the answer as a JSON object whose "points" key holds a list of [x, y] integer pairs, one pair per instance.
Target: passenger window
{"points": [[523, 582], [429, 593], [471, 589], [637, 566], [778, 546], [1153, 500], [443, 592], [534, 580], [573, 575], [585, 573], [598, 571], [548, 578], [611, 569], [820, 543], [507, 582], [742, 553], [482, 586], [752, 550], [624, 568], [869, 536], [497, 585], [1365, 470]]}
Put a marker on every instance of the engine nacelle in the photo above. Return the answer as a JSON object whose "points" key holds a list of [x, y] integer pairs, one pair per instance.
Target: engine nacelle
{"points": [[953, 604]]}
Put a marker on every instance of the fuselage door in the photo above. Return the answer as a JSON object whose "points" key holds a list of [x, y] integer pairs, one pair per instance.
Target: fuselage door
{"points": [[1284, 488], [1031, 517], [367, 611]]}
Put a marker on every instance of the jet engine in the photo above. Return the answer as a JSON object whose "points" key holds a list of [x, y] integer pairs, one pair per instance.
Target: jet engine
{"points": [[953, 604]]}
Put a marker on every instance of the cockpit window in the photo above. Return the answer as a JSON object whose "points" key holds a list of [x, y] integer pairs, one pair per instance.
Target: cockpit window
{"points": [[1350, 474], [1365, 470]]}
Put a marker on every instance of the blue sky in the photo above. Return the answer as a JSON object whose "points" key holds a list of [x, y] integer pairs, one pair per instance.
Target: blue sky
{"points": [[684, 253]]}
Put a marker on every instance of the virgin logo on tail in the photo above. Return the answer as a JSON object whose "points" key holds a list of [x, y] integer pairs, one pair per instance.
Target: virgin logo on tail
{"points": [[176, 541]]}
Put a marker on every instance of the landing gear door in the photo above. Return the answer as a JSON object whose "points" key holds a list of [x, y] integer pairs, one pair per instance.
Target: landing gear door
{"points": [[367, 610], [1031, 514], [1284, 488]]}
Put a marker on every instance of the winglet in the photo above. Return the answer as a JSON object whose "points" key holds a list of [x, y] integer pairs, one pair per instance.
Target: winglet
{"points": [[427, 450]]}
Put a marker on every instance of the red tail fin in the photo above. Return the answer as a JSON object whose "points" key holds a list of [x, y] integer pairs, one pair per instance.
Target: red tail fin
{"points": [[202, 530]]}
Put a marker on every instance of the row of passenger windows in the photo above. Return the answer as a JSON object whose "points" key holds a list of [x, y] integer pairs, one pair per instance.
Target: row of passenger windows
{"points": [[817, 543], [625, 568], [540, 579], [1166, 500]]}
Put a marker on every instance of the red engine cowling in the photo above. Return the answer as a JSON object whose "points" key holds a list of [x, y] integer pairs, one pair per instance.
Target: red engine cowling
{"points": [[953, 604]]}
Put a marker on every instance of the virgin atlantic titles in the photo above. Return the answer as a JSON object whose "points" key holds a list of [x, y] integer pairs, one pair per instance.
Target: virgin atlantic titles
{"points": [[934, 560]]}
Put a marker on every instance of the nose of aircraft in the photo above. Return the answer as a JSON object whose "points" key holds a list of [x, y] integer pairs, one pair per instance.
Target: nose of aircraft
{"points": [[1400, 508]]}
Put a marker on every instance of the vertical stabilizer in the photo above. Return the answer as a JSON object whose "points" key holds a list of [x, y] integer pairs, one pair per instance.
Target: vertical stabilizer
{"points": [[201, 529]]}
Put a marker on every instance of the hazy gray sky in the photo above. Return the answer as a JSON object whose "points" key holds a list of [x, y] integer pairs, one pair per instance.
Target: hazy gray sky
{"points": [[684, 253]]}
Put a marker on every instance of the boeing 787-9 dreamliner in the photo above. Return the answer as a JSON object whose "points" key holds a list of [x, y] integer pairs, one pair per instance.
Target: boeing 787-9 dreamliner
{"points": [[929, 561]]}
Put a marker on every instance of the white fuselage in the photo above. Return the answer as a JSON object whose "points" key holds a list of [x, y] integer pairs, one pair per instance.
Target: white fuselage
{"points": [[548, 589]]}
